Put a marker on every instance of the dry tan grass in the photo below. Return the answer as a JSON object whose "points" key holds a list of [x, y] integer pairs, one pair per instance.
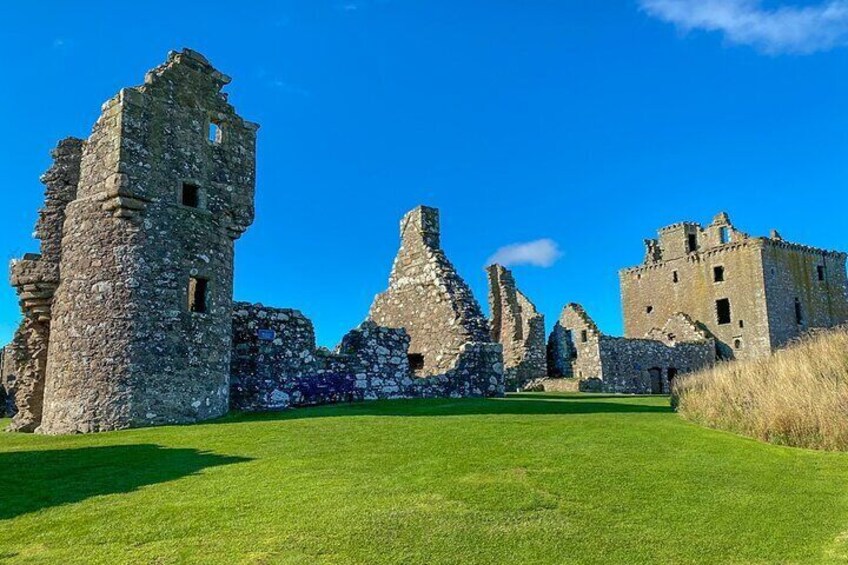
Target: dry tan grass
{"points": [[797, 397]]}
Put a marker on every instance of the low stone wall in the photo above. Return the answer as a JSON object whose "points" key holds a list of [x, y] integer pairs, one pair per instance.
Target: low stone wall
{"points": [[560, 385], [276, 364]]}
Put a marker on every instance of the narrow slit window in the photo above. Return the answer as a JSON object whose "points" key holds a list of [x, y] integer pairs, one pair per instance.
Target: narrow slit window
{"points": [[191, 195], [820, 272], [584, 336], [723, 311], [741, 323], [198, 295], [718, 274], [799, 313], [675, 277], [216, 133], [737, 344]]}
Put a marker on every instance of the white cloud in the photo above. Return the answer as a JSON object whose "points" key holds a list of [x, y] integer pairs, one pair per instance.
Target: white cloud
{"points": [[540, 253], [785, 29]]}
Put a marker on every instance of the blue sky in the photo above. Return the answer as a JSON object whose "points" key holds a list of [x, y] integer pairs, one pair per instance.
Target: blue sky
{"points": [[585, 123]]}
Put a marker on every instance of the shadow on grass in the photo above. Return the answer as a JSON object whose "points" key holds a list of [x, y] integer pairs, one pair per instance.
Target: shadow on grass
{"points": [[35, 480], [516, 404]]}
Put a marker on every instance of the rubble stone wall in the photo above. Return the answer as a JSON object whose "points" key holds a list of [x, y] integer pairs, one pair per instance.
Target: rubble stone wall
{"points": [[428, 298], [35, 278], [519, 327], [603, 363], [276, 364]]}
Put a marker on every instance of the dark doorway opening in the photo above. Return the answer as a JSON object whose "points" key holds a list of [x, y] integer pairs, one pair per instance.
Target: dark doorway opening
{"points": [[672, 374], [656, 380]]}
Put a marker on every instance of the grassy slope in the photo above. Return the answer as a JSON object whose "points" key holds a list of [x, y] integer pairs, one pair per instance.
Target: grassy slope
{"points": [[528, 479]]}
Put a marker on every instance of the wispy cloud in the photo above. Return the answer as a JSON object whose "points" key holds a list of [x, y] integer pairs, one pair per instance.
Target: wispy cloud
{"points": [[290, 88], [59, 42], [784, 29], [539, 253]]}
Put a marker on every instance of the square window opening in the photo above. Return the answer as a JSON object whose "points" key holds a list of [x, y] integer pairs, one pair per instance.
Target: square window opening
{"points": [[737, 344], [718, 274], [416, 362], [723, 311], [649, 309], [724, 235], [190, 195], [198, 295]]}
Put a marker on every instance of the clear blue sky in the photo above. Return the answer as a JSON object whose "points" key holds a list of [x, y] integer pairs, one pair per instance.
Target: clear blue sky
{"points": [[589, 123]]}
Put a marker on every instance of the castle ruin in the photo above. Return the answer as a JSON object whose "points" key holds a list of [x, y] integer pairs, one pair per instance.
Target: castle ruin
{"points": [[753, 294], [128, 316]]}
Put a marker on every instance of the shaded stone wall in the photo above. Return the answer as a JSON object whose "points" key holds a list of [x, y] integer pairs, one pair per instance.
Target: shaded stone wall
{"points": [[126, 349], [636, 366], [760, 278], [276, 364], [792, 275], [428, 298], [519, 327], [35, 278]]}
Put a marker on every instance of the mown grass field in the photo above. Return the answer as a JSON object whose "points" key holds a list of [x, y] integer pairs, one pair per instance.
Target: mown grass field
{"points": [[526, 479]]}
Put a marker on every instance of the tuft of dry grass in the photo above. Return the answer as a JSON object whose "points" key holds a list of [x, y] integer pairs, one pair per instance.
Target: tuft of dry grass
{"points": [[796, 397]]}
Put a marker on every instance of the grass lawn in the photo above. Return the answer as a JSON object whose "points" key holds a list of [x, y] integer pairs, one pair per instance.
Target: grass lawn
{"points": [[526, 479]]}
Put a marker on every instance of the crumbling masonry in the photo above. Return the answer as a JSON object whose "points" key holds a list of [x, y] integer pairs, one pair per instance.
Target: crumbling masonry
{"points": [[128, 310], [519, 327], [648, 365]]}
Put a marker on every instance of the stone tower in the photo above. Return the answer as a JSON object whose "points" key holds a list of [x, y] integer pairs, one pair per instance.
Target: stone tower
{"points": [[428, 298], [142, 316], [753, 294], [519, 327]]}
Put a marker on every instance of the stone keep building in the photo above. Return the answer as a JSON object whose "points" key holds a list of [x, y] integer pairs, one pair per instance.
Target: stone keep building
{"points": [[429, 299], [649, 365], [753, 294], [128, 310], [519, 327]]}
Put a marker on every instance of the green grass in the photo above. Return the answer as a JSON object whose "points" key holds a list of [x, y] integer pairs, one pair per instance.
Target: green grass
{"points": [[527, 479]]}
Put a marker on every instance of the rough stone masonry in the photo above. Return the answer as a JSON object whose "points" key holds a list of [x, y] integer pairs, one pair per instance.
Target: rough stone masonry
{"points": [[519, 327]]}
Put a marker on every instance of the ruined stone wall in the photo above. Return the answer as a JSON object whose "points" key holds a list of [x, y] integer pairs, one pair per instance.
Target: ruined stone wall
{"points": [[574, 345], [35, 278], [603, 363], [126, 349], [519, 327], [646, 366], [276, 364], [428, 298], [816, 279]]}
